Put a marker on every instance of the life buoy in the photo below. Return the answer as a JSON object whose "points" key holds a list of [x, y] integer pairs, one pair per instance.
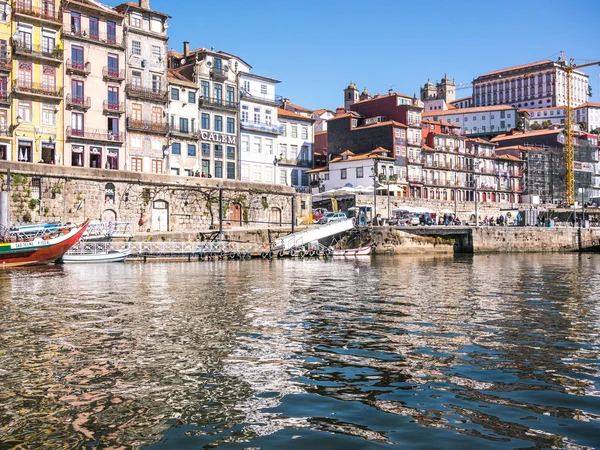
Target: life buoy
{"points": [[292, 253], [329, 251], [265, 245], [280, 254], [311, 253], [302, 253]]}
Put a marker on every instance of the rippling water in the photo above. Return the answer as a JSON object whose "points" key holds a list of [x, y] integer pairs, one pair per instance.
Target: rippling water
{"points": [[422, 352]]}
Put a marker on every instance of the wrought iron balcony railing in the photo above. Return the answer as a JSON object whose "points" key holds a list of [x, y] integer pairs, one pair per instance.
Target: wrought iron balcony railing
{"points": [[113, 107], [37, 51], [151, 127], [218, 103], [46, 12], [112, 74], [109, 39], [81, 68], [78, 102], [95, 134], [266, 127], [153, 94], [39, 89], [261, 97]]}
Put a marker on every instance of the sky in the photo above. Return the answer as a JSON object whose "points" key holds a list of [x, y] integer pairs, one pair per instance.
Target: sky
{"points": [[317, 47]]}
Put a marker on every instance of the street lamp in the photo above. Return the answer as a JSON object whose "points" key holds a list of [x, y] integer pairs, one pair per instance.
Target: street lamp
{"points": [[275, 162]]}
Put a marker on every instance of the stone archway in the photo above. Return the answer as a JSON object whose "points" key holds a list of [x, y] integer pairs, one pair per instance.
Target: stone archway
{"points": [[275, 217], [109, 215]]}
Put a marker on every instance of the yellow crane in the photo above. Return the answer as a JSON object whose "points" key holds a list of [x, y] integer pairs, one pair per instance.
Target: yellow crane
{"points": [[569, 146]]}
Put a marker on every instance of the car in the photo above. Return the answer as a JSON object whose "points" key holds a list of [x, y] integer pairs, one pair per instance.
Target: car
{"points": [[426, 219], [332, 217], [318, 213]]}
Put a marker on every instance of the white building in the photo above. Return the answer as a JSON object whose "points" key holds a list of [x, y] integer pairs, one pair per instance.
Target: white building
{"points": [[321, 117], [183, 125], [540, 84], [296, 148], [479, 121], [554, 115], [259, 128], [588, 113], [350, 170]]}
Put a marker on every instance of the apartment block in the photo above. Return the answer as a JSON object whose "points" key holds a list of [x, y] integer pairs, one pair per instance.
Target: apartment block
{"points": [[94, 97]]}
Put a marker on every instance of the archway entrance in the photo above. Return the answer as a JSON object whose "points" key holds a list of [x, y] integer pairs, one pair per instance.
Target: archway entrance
{"points": [[160, 216]]}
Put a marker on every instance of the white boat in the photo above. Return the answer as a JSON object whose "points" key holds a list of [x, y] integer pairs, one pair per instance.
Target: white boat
{"points": [[361, 251], [96, 252]]}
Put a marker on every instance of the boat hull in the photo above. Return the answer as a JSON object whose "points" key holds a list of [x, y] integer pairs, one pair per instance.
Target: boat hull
{"points": [[39, 251], [104, 257], [351, 252]]}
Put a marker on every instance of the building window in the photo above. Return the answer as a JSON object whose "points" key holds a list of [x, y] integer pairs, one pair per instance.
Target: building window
{"points": [[256, 115], [219, 169], [75, 23], [77, 155], [205, 89], [205, 121], [218, 151], [183, 125], [176, 148], [205, 150], [192, 97], [230, 152], [245, 143], [156, 83], [111, 32], [230, 125], [268, 146], [113, 96], [231, 171], [49, 79], [174, 93], [256, 147], [136, 164], [294, 131], [48, 115], [304, 132], [156, 54], [218, 123], [343, 174], [263, 89], [136, 48], [359, 172], [230, 95], [157, 166], [191, 150], [245, 113]]}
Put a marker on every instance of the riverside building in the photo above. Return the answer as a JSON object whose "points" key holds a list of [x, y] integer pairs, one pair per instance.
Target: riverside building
{"points": [[36, 82], [296, 147], [94, 98], [146, 87], [5, 72], [259, 128]]}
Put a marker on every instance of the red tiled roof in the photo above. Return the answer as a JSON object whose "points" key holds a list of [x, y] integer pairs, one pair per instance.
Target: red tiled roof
{"points": [[175, 76], [298, 108], [293, 115], [522, 66], [373, 154], [510, 157], [588, 104], [518, 134], [381, 124], [440, 122], [480, 141]]}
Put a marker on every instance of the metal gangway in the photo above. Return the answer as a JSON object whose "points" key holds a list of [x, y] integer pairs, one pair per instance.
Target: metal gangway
{"points": [[309, 238], [109, 230]]}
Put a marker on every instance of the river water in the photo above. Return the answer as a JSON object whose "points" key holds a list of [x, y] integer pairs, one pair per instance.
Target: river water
{"points": [[498, 351]]}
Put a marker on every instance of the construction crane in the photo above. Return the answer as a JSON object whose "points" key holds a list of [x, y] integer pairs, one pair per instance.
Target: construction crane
{"points": [[569, 146]]}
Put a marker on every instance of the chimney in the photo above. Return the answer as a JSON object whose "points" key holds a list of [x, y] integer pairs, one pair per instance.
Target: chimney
{"points": [[186, 49], [390, 92], [339, 111], [144, 4]]}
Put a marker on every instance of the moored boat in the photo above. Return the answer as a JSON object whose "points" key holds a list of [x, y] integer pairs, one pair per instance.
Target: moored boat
{"points": [[361, 251], [22, 249], [95, 257]]}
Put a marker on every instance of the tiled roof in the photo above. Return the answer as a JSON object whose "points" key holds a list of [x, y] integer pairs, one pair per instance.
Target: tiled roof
{"points": [[517, 135], [440, 122], [175, 76], [318, 133], [480, 141], [125, 5], [510, 157], [394, 94], [374, 154], [298, 108], [588, 104], [522, 66], [318, 169], [477, 109], [95, 5], [293, 115], [382, 124]]}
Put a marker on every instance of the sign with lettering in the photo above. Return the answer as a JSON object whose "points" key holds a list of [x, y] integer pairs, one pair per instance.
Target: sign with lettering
{"points": [[217, 137]]}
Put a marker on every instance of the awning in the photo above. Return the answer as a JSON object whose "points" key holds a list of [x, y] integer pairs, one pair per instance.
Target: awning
{"points": [[95, 151], [77, 149]]}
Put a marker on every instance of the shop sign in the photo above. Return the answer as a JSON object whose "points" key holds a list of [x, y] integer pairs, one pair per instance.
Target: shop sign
{"points": [[217, 137]]}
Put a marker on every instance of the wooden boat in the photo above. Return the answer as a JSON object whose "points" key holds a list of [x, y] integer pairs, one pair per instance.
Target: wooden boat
{"points": [[361, 251], [22, 249], [75, 256]]}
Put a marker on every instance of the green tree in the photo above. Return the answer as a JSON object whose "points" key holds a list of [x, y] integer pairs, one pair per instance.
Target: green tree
{"points": [[535, 126], [546, 124]]}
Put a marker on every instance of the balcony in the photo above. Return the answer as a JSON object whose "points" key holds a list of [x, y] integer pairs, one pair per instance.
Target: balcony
{"points": [[112, 75], [264, 127], [149, 127], [113, 107], [273, 99], [78, 68], [186, 133], [5, 62], [218, 74], [23, 8], [78, 102], [415, 178], [219, 103], [110, 40], [142, 93], [413, 160], [5, 98], [22, 48], [37, 89], [295, 162], [95, 135]]}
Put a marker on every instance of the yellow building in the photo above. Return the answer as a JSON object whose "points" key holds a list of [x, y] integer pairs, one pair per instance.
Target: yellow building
{"points": [[5, 69], [36, 82]]}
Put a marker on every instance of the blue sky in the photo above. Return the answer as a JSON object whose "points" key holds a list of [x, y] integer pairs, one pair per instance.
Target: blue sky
{"points": [[316, 47]]}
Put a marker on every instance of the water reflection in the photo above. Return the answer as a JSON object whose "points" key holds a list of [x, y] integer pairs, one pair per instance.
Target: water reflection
{"points": [[418, 351]]}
